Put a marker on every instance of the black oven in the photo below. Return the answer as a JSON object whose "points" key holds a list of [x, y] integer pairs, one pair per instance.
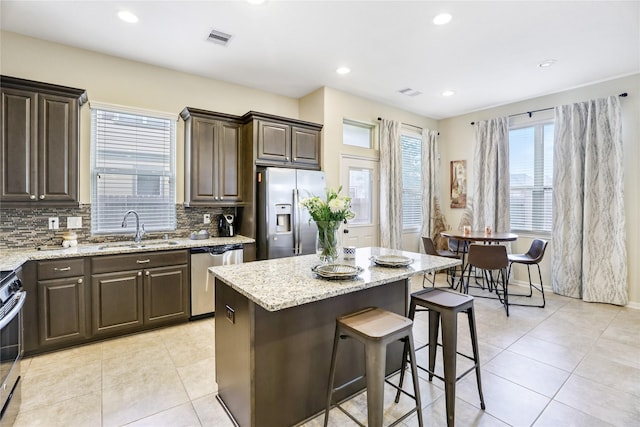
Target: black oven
{"points": [[12, 298]]}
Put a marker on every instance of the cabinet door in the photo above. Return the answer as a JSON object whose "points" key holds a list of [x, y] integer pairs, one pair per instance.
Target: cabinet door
{"points": [[18, 180], [117, 302], [166, 294], [203, 160], [274, 142], [305, 146], [57, 148], [61, 310], [229, 175]]}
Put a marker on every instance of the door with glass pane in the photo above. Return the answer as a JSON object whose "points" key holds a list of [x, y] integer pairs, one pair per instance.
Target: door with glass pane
{"points": [[360, 180]]}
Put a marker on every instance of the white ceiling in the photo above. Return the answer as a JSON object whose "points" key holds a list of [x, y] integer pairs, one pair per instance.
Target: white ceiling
{"points": [[488, 54]]}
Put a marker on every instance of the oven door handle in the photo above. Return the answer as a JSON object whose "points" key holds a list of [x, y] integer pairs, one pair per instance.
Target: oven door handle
{"points": [[15, 310]]}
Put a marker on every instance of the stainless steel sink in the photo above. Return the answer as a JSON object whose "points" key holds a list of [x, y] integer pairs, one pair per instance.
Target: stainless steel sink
{"points": [[141, 245]]}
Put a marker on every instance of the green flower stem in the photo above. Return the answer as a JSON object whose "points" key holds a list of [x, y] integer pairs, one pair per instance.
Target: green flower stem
{"points": [[328, 240]]}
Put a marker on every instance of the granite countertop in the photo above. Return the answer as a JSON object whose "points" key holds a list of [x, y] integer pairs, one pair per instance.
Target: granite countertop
{"points": [[282, 283], [13, 259]]}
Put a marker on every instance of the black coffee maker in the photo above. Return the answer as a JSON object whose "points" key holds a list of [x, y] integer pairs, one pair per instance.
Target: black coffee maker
{"points": [[226, 226]]}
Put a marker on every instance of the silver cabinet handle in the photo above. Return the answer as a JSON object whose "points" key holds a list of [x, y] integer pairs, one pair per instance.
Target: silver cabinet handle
{"points": [[61, 269], [42, 197], [286, 158], [221, 198], [80, 281], [32, 197], [295, 158], [147, 272], [143, 261], [139, 273]]}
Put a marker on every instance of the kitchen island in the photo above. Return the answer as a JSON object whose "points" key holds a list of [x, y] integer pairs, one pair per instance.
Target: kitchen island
{"points": [[275, 322]]}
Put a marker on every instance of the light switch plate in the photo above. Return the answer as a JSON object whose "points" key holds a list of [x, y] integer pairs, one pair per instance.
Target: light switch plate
{"points": [[74, 222], [207, 218], [54, 223]]}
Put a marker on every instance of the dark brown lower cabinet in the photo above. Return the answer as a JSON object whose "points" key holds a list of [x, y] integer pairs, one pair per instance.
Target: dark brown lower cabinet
{"points": [[61, 309], [130, 300], [117, 302], [166, 294]]}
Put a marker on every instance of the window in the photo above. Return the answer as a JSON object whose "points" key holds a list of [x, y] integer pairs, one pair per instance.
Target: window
{"points": [[411, 181], [132, 168], [361, 193], [531, 176], [357, 134]]}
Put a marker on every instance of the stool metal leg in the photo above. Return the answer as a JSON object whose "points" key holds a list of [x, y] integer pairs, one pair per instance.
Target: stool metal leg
{"points": [[476, 353], [449, 351], [332, 374], [434, 325], [412, 315], [416, 380], [376, 357]]}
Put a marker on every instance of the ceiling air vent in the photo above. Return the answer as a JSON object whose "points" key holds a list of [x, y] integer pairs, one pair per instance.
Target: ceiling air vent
{"points": [[410, 92], [219, 37]]}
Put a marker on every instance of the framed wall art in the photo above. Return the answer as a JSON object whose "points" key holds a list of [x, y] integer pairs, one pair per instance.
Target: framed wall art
{"points": [[459, 184]]}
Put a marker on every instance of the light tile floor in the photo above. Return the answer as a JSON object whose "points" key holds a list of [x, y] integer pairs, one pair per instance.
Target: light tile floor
{"points": [[569, 364]]}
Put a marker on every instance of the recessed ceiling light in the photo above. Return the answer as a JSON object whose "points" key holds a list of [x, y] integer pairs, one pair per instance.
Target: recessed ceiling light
{"points": [[257, 2], [442, 19], [127, 16], [448, 93], [547, 63], [343, 70]]}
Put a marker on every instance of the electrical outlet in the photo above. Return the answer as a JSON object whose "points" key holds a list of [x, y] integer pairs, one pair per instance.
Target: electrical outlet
{"points": [[74, 222], [54, 223], [230, 314], [207, 219]]}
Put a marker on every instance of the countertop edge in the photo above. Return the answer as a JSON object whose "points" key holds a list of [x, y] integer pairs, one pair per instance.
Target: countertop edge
{"points": [[256, 282], [14, 259]]}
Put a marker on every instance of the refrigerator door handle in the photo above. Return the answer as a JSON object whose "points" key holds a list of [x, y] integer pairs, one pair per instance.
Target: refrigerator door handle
{"points": [[296, 221]]}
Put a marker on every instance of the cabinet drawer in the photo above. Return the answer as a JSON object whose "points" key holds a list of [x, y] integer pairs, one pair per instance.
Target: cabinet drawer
{"points": [[60, 268], [142, 260]]}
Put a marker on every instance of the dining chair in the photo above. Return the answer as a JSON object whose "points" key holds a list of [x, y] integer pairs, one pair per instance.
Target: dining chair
{"points": [[494, 262], [533, 257], [430, 249]]}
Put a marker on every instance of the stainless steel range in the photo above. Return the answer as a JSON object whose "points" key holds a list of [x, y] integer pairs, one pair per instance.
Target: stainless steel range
{"points": [[12, 299]]}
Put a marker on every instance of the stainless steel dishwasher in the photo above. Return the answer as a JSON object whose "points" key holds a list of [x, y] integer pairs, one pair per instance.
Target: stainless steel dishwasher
{"points": [[202, 283]]}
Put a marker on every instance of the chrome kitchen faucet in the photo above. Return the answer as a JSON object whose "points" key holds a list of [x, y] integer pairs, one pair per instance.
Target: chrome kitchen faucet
{"points": [[139, 228]]}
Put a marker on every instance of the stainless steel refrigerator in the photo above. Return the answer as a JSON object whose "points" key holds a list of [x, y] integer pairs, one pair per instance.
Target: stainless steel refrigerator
{"points": [[283, 228]]}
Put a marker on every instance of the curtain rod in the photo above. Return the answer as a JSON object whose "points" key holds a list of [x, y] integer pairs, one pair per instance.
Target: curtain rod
{"points": [[622, 95], [409, 124]]}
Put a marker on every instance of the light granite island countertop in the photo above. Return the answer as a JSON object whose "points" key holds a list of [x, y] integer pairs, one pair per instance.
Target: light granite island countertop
{"points": [[274, 329], [282, 283]]}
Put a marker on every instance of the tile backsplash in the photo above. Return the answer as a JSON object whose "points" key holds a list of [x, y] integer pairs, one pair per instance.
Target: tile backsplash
{"points": [[27, 228]]}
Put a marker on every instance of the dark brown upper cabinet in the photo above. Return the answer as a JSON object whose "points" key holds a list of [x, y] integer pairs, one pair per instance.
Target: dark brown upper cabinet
{"points": [[212, 158], [285, 142], [39, 143]]}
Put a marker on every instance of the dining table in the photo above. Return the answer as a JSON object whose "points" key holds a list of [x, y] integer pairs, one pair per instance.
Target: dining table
{"points": [[476, 236]]}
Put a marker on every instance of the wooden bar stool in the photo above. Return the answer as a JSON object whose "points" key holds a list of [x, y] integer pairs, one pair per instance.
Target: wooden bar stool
{"points": [[375, 328], [445, 305]]}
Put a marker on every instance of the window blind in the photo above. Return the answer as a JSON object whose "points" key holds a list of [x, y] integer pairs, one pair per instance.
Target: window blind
{"points": [[531, 176], [411, 182], [133, 168]]}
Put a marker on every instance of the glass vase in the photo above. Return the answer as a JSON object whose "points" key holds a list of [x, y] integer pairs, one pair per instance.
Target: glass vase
{"points": [[327, 245]]}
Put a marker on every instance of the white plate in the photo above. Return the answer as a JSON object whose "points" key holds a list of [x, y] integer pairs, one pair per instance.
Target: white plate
{"points": [[336, 271], [392, 260]]}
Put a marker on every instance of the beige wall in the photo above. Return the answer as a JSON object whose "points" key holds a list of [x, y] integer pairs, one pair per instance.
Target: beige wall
{"points": [[338, 106], [119, 81], [457, 139]]}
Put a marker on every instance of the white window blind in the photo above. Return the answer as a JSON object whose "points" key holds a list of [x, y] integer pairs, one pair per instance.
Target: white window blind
{"points": [[531, 175], [411, 182], [133, 168]]}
